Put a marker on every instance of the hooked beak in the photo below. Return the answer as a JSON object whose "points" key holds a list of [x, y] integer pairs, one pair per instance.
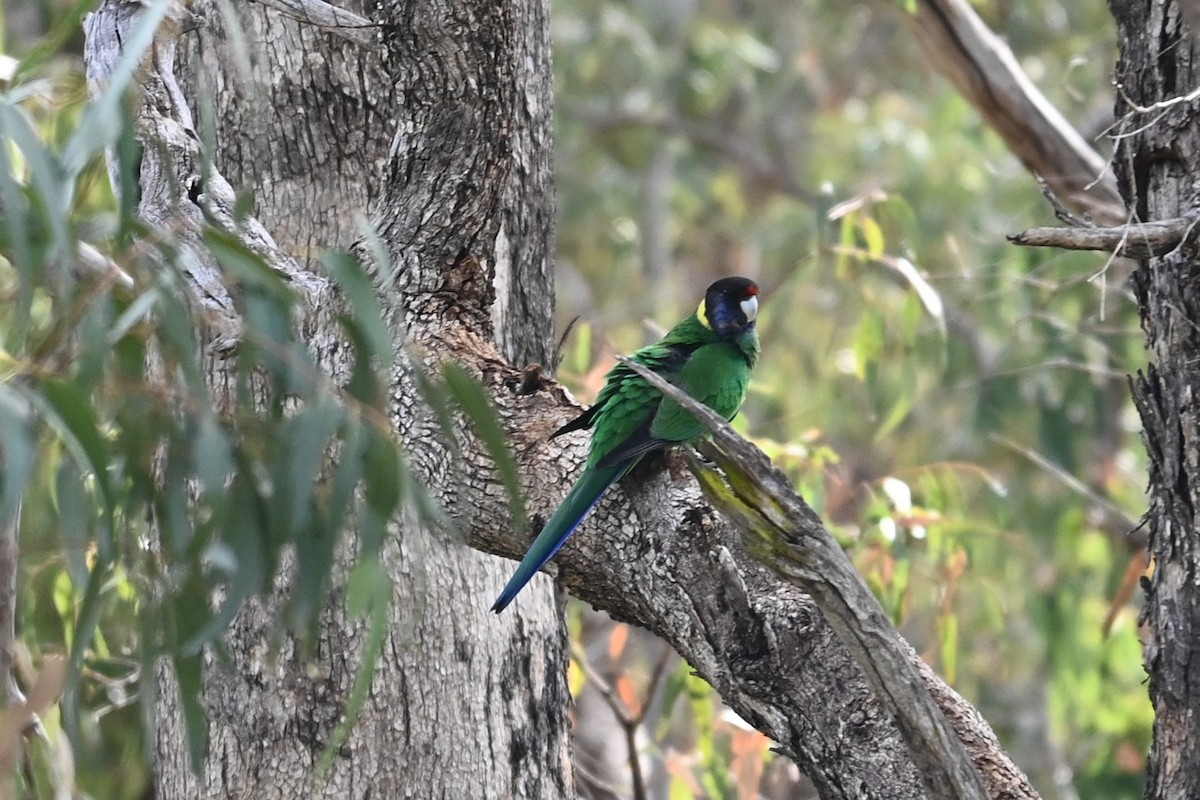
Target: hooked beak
{"points": [[750, 308]]}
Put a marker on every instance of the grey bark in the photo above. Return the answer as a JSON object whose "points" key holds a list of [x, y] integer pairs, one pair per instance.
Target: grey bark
{"points": [[787, 535], [321, 129], [1157, 163], [461, 93]]}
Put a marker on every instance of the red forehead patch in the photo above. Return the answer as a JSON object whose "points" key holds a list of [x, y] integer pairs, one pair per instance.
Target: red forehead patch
{"points": [[751, 290]]}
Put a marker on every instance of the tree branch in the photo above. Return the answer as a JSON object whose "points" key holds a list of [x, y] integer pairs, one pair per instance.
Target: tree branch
{"points": [[1136, 240], [984, 71], [359, 30], [653, 553], [789, 537]]}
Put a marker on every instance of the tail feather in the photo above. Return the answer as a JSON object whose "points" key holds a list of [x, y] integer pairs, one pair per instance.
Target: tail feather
{"points": [[574, 508]]}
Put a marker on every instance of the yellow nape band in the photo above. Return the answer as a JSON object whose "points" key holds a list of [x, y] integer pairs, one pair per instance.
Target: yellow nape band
{"points": [[702, 315]]}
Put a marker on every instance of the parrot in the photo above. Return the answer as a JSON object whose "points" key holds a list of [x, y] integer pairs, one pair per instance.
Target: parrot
{"points": [[709, 355]]}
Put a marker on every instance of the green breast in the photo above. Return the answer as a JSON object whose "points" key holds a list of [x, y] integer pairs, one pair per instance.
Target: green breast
{"points": [[717, 375]]}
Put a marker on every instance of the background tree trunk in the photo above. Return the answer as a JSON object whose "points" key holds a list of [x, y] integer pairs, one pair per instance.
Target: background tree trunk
{"points": [[1157, 161]]}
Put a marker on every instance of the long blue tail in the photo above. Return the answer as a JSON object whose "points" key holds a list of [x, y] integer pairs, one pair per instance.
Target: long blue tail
{"points": [[575, 506]]}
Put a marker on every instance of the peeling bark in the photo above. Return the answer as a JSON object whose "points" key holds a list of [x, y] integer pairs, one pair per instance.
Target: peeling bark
{"points": [[1157, 163]]}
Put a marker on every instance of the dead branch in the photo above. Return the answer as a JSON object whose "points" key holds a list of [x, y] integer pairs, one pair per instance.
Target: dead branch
{"points": [[983, 69], [359, 30], [1135, 240]]}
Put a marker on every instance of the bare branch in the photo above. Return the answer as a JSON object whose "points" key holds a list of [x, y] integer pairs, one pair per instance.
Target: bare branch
{"points": [[983, 69], [790, 538], [1135, 240], [655, 554], [96, 262], [1115, 518]]}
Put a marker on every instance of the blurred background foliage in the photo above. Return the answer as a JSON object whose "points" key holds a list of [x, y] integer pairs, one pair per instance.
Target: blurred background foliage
{"points": [[954, 406]]}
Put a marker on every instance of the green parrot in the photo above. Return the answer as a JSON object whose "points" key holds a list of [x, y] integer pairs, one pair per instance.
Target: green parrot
{"points": [[708, 355]]}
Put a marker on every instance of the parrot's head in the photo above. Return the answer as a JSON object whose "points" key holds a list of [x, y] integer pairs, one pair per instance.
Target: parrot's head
{"points": [[730, 306]]}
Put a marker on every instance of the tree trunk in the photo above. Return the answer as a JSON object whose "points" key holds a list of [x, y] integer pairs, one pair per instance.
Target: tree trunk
{"points": [[445, 142], [1157, 161]]}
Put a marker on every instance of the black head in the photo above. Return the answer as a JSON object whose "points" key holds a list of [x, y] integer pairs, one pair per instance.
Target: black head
{"points": [[730, 306]]}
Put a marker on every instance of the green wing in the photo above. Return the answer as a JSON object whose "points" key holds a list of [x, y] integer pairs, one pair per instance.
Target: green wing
{"points": [[627, 403], [717, 375], [631, 418], [622, 384]]}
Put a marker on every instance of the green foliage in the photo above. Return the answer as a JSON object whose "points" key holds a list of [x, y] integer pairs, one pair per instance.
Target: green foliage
{"points": [[154, 511]]}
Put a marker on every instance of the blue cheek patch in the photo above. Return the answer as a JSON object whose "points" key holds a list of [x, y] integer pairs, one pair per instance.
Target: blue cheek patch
{"points": [[727, 320]]}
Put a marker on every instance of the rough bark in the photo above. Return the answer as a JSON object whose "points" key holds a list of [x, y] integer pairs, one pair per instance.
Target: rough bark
{"points": [[1157, 163], [458, 699], [463, 698], [787, 535]]}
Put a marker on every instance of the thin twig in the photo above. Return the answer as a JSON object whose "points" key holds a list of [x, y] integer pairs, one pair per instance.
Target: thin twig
{"points": [[594, 781], [1110, 509], [1060, 210], [627, 718], [620, 710], [660, 669], [1161, 104]]}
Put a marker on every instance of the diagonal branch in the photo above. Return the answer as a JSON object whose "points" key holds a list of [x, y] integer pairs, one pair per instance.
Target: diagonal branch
{"points": [[655, 554], [359, 30], [788, 535], [984, 71]]}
